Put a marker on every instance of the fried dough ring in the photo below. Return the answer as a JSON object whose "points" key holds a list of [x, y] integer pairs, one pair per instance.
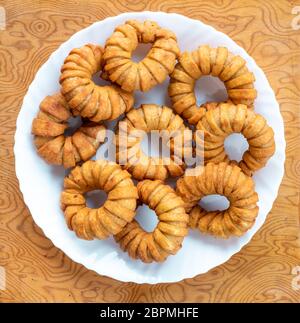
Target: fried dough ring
{"points": [[225, 119], [225, 180], [49, 128], [83, 95], [153, 69], [167, 237], [116, 212], [219, 62], [176, 136]]}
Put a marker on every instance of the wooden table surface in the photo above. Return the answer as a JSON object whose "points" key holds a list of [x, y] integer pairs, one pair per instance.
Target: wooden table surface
{"points": [[37, 271]]}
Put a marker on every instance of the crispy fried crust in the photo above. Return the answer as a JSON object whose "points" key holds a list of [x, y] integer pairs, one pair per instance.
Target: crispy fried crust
{"points": [[153, 69], [83, 95], [116, 212], [175, 136], [167, 237], [218, 62], [49, 126], [225, 119], [225, 180]]}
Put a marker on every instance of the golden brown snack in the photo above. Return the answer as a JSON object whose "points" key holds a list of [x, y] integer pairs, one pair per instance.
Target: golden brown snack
{"points": [[49, 128], [83, 95], [116, 212], [167, 237], [225, 119], [219, 62], [175, 135], [225, 180], [153, 69]]}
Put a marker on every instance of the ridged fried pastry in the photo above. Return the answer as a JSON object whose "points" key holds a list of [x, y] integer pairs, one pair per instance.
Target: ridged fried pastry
{"points": [[225, 180], [175, 136], [83, 95], [49, 129], [219, 62], [225, 119], [167, 237], [150, 71], [117, 211]]}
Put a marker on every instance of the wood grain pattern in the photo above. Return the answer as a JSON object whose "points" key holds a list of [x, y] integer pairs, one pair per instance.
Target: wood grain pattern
{"points": [[36, 270]]}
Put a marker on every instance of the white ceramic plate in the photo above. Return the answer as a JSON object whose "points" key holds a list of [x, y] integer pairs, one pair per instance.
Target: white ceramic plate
{"points": [[41, 184]]}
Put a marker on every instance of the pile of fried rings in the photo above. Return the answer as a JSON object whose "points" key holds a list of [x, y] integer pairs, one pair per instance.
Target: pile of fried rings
{"points": [[177, 210]]}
